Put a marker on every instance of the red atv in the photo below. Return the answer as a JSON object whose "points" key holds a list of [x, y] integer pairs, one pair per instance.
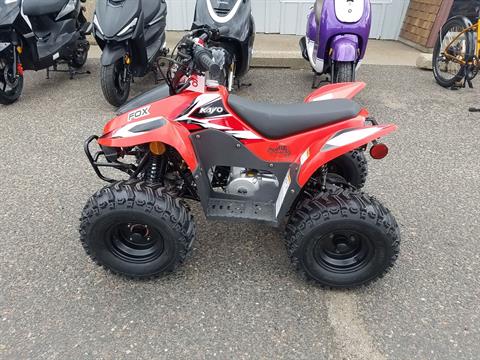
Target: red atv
{"points": [[242, 160]]}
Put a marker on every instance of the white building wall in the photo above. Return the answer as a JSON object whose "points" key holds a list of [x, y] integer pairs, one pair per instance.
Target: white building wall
{"points": [[290, 16]]}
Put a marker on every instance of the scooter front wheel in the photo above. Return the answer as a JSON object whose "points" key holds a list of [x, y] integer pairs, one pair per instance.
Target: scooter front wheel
{"points": [[11, 86], [343, 72], [115, 79], [342, 238]]}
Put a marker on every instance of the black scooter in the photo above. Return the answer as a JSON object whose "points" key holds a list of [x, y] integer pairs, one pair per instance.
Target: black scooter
{"points": [[36, 35], [131, 34], [234, 48]]}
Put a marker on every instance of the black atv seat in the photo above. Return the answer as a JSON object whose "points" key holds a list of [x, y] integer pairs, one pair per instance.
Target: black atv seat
{"points": [[43, 7], [280, 121], [150, 9]]}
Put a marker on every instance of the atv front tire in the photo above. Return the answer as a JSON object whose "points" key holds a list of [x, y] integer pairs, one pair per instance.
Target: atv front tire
{"points": [[342, 238], [136, 230]]}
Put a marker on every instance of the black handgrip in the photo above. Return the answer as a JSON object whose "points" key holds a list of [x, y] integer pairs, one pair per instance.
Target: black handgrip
{"points": [[204, 60]]}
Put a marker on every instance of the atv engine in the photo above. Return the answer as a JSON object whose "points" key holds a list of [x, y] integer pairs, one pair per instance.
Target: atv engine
{"points": [[243, 182]]}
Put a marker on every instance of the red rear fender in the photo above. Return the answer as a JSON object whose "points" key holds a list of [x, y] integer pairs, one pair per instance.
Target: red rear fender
{"points": [[339, 144], [336, 91]]}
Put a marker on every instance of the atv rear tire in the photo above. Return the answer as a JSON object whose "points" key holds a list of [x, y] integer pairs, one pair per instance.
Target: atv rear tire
{"points": [[115, 87], [136, 230], [342, 238], [353, 167]]}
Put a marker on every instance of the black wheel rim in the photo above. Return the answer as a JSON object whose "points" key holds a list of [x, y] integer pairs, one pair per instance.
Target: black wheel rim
{"points": [[135, 243], [8, 82], [343, 251], [120, 78]]}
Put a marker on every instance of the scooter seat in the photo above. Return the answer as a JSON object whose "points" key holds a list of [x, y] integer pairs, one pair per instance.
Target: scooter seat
{"points": [[44, 7], [281, 121], [150, 9]]}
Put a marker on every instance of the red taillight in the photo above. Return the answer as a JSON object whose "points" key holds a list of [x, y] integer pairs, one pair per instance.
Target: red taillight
{"points": [[379, 151]]}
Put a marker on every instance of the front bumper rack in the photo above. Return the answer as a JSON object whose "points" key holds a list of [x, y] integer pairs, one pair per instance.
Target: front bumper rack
{"points": [[108, 158]]}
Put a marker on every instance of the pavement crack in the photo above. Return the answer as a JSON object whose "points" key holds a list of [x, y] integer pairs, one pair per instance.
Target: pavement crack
{"points": [[350, 333]]}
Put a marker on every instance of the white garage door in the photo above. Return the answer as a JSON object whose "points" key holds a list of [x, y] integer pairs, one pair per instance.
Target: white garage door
{"points": [[290, 16]]}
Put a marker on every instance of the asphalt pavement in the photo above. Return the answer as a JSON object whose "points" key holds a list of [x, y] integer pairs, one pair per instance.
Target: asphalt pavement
{"points": [[238, 297]]}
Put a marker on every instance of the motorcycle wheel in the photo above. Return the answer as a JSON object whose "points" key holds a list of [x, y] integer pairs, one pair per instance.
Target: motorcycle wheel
{"points": [[115, 83], [80, 57], [343, 72], [10, 88]]}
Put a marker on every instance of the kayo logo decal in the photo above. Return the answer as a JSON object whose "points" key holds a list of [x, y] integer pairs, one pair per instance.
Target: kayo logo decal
{"points": [[211, 110], [137, 114], [209, 107]]}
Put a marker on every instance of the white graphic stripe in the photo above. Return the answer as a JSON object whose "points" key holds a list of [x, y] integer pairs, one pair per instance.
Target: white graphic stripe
{"points": [[223, 19], [243, 134], [352, 136]]}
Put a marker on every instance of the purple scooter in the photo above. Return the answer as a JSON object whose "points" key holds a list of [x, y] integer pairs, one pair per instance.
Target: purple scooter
{"points": [[337, 37]]}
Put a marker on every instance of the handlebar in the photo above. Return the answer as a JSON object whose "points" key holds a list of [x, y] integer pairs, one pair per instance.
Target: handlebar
{"points": [[193, 56], [205, 62]]}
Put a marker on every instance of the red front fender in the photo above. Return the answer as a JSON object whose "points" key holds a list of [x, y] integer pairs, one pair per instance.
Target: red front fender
{"points": [[167, 132], [341, 143]]}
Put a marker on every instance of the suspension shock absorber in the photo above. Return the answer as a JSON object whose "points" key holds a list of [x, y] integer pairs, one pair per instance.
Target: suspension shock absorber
{"points": [[157, 163]]}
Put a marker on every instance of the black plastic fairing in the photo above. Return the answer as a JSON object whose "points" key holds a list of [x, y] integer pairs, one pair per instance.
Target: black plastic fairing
{"points": [[214, 148], [235, 19], [111, 53], [44, 7], [239, 25], [114, 16], [156, 94]]}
